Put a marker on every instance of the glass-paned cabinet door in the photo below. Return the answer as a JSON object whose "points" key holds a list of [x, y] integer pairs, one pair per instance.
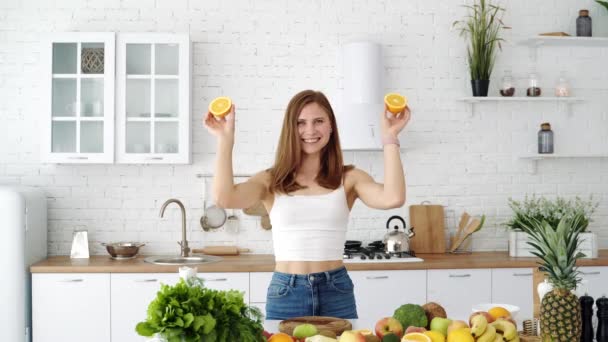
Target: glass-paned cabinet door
{"points": [[153, 98], [79, 118]]}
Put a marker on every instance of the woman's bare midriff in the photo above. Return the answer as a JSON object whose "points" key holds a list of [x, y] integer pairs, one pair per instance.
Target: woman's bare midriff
{"points": [[306, 267]]}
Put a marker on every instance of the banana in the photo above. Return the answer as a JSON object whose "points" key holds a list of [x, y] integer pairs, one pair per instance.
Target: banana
{"points": [[498, 338], [489, 335], [508, 329], [478, 325]]}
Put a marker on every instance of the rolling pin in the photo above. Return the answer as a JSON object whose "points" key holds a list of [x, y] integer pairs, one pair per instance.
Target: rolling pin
{"points": [[220, 250]]}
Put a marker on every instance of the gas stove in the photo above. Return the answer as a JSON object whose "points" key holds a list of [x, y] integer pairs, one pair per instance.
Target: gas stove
{"points": [[374, 253]]}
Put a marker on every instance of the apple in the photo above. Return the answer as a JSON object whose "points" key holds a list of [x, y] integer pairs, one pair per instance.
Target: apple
{"points": [[457, 325], [389, 325], [489, 317], [304, 330], [412, 329], [508, 319], [441, 325], [351, 336]]}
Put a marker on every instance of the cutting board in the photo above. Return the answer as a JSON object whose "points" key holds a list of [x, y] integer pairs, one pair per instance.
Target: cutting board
{"points": [[220, 250], [429, 225], [323, 323]]}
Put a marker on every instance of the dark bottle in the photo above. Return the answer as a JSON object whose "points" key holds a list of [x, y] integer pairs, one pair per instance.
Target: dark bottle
{"points": [[587, 316], [533, 86], [583, 24], [545, 138], [602, 319]]}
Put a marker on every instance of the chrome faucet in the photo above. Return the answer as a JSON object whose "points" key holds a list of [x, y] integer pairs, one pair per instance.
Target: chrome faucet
{"points": [[184, 243]]}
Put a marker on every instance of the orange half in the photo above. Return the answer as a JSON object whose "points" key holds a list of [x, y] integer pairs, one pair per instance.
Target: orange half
{"points": [[416, 337], [395, 102], [220, 106]]}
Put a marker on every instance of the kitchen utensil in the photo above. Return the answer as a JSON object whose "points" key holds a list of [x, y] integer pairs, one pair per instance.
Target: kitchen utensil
{"points": [[80, 245], [397, 241], [352, 244], [214, 217], [461, 225], [472, 227], [429, 221], [258, 209], [232, 223], [123, 250], [322, 323], [220, 250], [265, 222]]}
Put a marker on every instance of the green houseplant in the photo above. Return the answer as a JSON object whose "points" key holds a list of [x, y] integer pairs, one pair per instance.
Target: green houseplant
{"points": [[603, 3], [482, 27]]}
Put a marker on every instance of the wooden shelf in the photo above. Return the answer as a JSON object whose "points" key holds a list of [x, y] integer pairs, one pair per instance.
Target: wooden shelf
{"points": [[537, 41]]}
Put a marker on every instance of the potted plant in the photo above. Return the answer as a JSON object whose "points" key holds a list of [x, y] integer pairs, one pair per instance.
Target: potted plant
{"points": [[540, 209], [482, 28]]}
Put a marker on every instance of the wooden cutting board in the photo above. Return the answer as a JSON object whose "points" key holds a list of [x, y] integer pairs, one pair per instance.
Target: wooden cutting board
{"points": [[429, 225], [323, 323], [220, 250]]}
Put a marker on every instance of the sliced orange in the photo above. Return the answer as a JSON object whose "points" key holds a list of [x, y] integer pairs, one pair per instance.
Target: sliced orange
{"points": [[220, 106], [415, 337], [395, 102], [499, 311]]}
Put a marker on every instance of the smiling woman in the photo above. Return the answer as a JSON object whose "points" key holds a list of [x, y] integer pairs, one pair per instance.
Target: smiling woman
{"points": [[308, 193]]}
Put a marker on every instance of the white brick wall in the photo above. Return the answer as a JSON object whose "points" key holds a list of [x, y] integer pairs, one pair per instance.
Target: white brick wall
{"points": [[263, 52]]}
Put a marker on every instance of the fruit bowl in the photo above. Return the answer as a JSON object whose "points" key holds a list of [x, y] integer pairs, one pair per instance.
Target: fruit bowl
{"points": [[513, 309]]}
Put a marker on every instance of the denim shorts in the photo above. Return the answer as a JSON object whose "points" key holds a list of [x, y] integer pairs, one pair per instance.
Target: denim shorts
{"points": [[329, 293]]}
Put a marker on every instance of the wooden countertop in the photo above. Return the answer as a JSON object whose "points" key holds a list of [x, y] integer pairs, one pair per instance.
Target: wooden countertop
{"points": [[265, 263]]}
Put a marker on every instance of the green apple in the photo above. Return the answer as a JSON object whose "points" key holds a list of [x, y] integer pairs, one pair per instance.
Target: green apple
{"points": [[305, 330], [440, 325]]}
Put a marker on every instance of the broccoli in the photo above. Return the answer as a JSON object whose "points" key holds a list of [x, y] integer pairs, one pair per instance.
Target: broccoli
{"points": [[411, 315]]}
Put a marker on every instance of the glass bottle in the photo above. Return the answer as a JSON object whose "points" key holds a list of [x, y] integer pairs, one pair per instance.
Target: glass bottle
{"points": [[583, 24], [562, 88], [507, 88], [533, 87], [545, 138]]}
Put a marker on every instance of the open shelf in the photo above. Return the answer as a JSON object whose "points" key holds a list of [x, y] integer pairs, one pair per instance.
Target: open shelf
{"points": [[535, 157], [476, 99], [565, 41]]}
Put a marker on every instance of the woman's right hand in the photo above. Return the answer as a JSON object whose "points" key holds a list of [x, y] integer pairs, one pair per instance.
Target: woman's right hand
{"points": [[223, 127]]}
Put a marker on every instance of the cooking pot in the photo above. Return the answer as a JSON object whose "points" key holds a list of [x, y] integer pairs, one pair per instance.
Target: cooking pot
{"points": [[396, 241]]}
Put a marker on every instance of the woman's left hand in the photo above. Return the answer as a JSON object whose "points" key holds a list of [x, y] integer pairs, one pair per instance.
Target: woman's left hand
{"points": [[392, 124]]}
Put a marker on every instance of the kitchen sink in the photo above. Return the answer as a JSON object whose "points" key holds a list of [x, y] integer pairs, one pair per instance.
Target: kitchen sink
{"points": [[180, 260]]}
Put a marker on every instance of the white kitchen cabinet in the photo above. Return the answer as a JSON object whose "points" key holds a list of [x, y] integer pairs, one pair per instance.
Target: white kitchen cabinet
{"points": [[71, 307], [130, 296], [153, 98], [227, 281], [379, 293], [594, 281], [78, 120], [458, 290], [514, 286]]}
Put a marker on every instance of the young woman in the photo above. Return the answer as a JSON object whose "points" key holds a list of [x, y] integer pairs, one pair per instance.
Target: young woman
{"points": [[309, 193]]}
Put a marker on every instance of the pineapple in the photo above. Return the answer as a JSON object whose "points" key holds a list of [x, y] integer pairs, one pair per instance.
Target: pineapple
{"points": [[560, 311]]}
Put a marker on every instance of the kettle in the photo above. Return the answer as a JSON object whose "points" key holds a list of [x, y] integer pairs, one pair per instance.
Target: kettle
{"points": [[396, 241]]}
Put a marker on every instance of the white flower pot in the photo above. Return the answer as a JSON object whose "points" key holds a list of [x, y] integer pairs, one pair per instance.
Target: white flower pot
{"points": [[518, 246]]}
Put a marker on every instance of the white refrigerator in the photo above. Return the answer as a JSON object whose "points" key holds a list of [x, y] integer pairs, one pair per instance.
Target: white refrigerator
{"points": [[23, 223]]}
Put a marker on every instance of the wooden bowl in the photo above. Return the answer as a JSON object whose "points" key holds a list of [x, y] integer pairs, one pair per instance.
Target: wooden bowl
{"points": [[323, 323]]}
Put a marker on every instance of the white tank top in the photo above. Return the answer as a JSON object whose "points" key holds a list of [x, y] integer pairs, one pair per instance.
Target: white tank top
{"points": [[309, 228]]}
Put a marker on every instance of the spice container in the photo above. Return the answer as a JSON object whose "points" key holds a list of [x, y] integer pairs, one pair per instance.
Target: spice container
{"points": [[507, 88], [583, 24], [545, 138], [562, 88], [533, 87]]}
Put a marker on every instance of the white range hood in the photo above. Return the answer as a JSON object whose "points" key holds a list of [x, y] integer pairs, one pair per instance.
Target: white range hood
{"points": [[358, 112]]}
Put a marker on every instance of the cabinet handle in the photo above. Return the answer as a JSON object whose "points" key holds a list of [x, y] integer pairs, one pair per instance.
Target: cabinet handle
{"points": [[522, 274], [460, 275], [146, 280], [214, 279], [79, 158], [72, 280], [376, 277], [155, 158], [591, 273]]}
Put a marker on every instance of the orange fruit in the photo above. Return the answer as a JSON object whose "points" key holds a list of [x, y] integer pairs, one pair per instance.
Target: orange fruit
{"points": [[220, 106], [416, 337], [499, 311], [460, 335], [395, 103], [280, 337], [435, 336]]}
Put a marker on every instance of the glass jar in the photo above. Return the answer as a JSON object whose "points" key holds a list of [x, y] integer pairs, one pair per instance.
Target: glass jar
{"points": [[533, 87], [507, 88], [562, 88], [583, 24], [545, 138]]}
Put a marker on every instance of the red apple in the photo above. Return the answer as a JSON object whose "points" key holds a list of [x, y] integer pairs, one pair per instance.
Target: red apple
{"points": [[488, 316], [389, 325], [412, 329], [509, 319]]}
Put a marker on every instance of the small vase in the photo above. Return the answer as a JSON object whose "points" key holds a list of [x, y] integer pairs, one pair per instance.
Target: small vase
{"points": [[480, 87]]}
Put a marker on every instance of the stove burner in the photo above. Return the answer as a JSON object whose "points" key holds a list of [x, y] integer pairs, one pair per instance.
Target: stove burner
{"points": [[374, 250]]}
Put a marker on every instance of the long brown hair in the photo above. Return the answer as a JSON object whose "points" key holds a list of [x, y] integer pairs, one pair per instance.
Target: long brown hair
{"points": [[289, 152]]}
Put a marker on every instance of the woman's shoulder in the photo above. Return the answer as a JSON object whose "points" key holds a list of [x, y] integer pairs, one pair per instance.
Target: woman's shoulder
{"points": [[262, 177]]}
